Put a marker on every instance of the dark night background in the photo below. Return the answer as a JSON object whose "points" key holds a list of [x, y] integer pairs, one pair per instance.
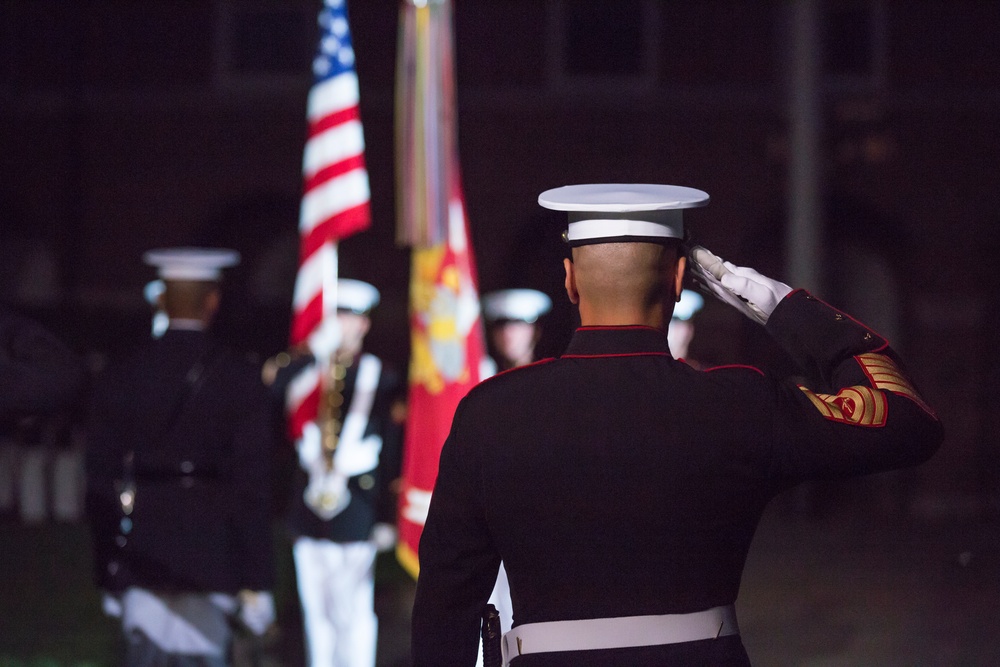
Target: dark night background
{"points": [[131, 125]]}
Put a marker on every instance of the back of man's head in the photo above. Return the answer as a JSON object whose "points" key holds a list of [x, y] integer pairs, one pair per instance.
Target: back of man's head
{"points": [[625, 283], [191, 299], [610, 274], [191, 279]]}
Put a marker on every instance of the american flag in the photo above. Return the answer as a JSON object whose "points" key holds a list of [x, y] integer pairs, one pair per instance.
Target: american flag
{"points": [[335, 200]]}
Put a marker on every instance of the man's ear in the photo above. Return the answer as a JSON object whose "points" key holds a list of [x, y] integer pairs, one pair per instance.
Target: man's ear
{"points": [[212, 301], [574, 296], [679, 278]]}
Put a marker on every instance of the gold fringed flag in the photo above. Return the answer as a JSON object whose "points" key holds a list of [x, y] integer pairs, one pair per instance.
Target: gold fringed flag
{"points": [[446, 330]]}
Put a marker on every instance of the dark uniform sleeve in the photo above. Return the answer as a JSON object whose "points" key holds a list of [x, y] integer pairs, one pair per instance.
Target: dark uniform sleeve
{"points": [[861, 414], [38, 372], [458, 563]]}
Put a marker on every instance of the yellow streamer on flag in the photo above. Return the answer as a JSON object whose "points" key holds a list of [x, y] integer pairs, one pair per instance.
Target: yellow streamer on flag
{"points": [[446, 330]]}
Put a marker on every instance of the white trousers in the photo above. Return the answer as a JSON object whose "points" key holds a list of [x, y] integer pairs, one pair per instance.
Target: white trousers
{"points": [[336, 583]]}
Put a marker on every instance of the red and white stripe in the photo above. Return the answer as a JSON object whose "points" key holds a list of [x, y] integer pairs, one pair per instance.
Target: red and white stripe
{"points": [[335, 204]]}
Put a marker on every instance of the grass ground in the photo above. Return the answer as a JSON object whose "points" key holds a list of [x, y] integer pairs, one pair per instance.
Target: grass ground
{"points": [[50, 611], [855, 591]]}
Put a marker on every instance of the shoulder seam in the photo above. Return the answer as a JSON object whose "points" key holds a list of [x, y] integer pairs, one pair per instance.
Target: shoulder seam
{"points": [[540, 362]]}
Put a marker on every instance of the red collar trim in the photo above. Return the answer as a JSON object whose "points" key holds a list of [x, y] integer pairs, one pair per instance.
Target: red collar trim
{"points": [[618, 327], [619, 354]]}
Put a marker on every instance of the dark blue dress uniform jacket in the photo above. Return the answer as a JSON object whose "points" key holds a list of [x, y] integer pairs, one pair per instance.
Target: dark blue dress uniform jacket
{"points": [[202, 453], [371, 500], [615, 481]]}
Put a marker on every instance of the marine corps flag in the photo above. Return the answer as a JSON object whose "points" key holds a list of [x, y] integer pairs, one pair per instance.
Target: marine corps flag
{"points": [[446, 330]]}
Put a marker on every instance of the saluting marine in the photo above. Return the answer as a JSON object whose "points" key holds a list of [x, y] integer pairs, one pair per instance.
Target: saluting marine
{"points": [[620, 487], [179, 480]]}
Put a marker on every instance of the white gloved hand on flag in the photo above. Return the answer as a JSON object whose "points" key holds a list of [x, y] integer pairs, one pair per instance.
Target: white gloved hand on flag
{"points": [[325, 339], [753, 294]]}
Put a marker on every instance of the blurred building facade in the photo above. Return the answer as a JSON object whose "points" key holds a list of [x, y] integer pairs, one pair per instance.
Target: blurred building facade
{"points": [[126, 126]]}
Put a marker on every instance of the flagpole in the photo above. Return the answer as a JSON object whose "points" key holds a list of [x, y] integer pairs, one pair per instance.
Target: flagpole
{"points": [[330, 271], [335, 205], [446, 331]]}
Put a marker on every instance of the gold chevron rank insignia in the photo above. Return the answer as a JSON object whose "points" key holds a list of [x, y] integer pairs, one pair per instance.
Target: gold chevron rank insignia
{"points": [[867, 406], [885, 374], [861, 406]]}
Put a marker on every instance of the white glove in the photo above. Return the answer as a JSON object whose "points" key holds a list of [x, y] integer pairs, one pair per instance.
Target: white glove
{"points": [[325, 340], [256, 611], [326, 492], [753, 294], [357, 456], [310, 446], [111, 605], [384, 536]]}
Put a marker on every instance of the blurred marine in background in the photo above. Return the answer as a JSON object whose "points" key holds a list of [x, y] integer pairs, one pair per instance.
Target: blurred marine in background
{"points": [[179, 481], [680, 331], [342, 506], [512, 317]]}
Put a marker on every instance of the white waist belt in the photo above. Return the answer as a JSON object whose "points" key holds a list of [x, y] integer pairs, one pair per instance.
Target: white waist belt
{"points": [[623, 632]]}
